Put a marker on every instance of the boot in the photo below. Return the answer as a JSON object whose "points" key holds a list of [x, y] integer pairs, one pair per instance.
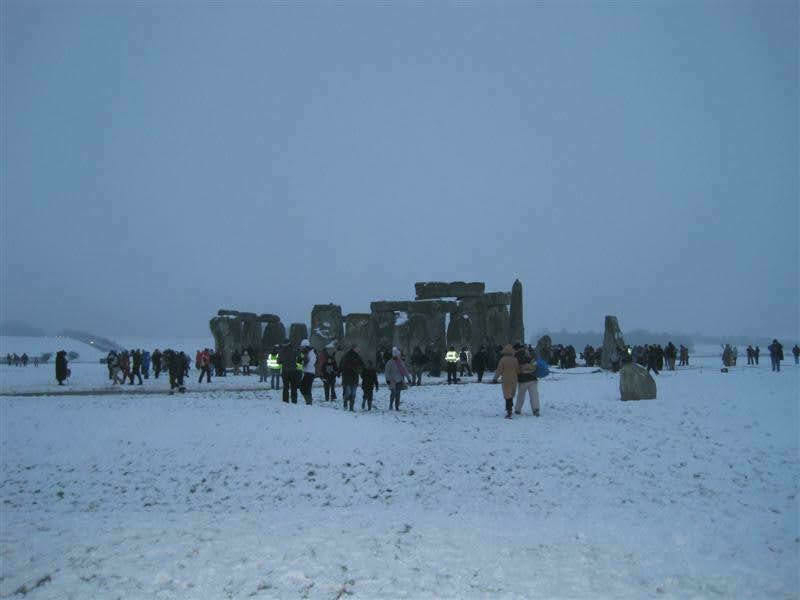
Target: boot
{"points": [[536, 413]]}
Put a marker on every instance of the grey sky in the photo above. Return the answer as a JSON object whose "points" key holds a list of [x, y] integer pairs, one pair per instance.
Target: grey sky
{"points": [[163, 159]]}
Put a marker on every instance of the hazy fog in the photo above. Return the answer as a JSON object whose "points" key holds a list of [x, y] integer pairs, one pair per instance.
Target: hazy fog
{"points": [[161, 160]]}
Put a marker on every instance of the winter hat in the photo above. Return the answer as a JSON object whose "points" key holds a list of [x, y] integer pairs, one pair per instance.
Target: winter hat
{"points": [[395, 352], [304, 343]]}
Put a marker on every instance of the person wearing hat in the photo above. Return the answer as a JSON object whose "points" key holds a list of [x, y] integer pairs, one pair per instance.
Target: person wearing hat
{"points": [[290, 374], [396, 373], [508, 369], [309, 369]]}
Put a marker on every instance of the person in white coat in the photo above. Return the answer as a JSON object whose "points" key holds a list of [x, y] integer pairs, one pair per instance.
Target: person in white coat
{"points": [[309, 369]]}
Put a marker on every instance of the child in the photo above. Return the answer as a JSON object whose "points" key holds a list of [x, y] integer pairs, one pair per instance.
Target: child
{"points": [[369, 382]]}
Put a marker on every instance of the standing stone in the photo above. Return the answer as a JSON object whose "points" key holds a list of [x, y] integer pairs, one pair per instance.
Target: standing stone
{"points": [[612, 343], [227, 334], [297, 333], [251, 334], [274, 335], [517, 329], [497, 325], [459, 330], [383, 331], [326, 325], [635, 383], [359, 331]]}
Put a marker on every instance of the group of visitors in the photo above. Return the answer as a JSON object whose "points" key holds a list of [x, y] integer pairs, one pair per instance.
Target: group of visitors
{"points": [[125, 366], [21, 360]]}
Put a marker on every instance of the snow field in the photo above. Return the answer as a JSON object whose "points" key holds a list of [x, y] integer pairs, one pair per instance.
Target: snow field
{"points": [[216, 494]]}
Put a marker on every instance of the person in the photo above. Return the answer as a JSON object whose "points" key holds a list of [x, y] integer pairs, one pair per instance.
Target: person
{"points": [[508, 370], [369, 383], [479, 362], [526, 381], [451, 358], [750, 359], [329, 375], [125, 365], [111, 358], [236, 361], [176, 365], [204, 364], [309, 369], [350, 367], [796, 353], [146, 364], [464, 362], [136, 369], [652, 359], [156, 362], [263, 367], [756, 354], [62, 371], [775, 354], [274, 368], [290, 373], [396, 373], [417, 365], [245, 363], [670, 353]]}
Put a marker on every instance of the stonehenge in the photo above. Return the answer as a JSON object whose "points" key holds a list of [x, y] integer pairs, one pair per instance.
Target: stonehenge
{"points": [[441, 314]]}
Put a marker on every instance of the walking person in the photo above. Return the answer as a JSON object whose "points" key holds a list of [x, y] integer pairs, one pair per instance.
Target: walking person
{"points": [[245, 363], [527, 382], [418, 361], [479, 362], [146, 364], [274, 369], [508, 370], [62, 370], [309, 369], [136, 368], [329, 374], [290, 372], [451, 358], [796, 353], [350, 367], [369, 383], [156, 362], [204, 364], [396, 373], [775, 354]]}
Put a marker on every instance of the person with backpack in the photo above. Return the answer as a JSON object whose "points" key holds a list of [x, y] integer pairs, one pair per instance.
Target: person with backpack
{"points": [[508, 370], [526, 381]]}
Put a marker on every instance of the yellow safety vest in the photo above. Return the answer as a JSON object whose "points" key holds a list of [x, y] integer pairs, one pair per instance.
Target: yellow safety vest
{"points": [[272, 362], [299, 362], [451, 356]]}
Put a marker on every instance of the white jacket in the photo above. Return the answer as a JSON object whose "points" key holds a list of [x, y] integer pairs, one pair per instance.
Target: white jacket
{"points": [[310, 366]]}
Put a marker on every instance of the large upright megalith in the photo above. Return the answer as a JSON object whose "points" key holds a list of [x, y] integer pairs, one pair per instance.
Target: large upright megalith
{"points": [[327, 325], [636, 383], [516, 327], [359, 331], [613, 343], [274, 335], [297, 333]]}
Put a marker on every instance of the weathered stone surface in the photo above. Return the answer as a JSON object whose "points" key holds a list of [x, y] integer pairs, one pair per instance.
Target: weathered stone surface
{"points": [[383, 331], [358, 331], [543, 347], [495, 298], [327, 325], [227, 334], [459, 331], [268, 318], [426, 325], [428, 290], [497, 326], [390, 306], [251, 334], [247, 315], [224, 312], [613, 343], [516, 327], [297, 333], [635, 383], [274, 335], [432, 307]]}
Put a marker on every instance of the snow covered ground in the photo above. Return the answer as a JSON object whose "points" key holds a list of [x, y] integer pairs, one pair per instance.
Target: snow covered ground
{"points": [[221, 494]]}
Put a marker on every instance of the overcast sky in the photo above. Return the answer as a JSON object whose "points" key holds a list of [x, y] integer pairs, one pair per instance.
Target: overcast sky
{"points": [[161, 160]]}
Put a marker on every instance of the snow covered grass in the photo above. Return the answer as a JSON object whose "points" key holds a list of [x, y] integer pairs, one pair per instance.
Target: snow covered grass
{"points": [[220, 494]]}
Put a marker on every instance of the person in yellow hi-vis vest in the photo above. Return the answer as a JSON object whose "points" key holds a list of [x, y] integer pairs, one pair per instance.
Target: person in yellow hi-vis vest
{"points": [[274, 367], [451, 359]]}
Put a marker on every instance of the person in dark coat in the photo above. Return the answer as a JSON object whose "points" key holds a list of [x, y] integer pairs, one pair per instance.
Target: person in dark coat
{"points": [[418, 361], [290, 374], [479, 362], [369, 383], [136, 366], [756, 354], [62, 372], [652, 359], [796, 354], [351, 367], [329, 374], [110, 360], [156, 362], [775, 354]]}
